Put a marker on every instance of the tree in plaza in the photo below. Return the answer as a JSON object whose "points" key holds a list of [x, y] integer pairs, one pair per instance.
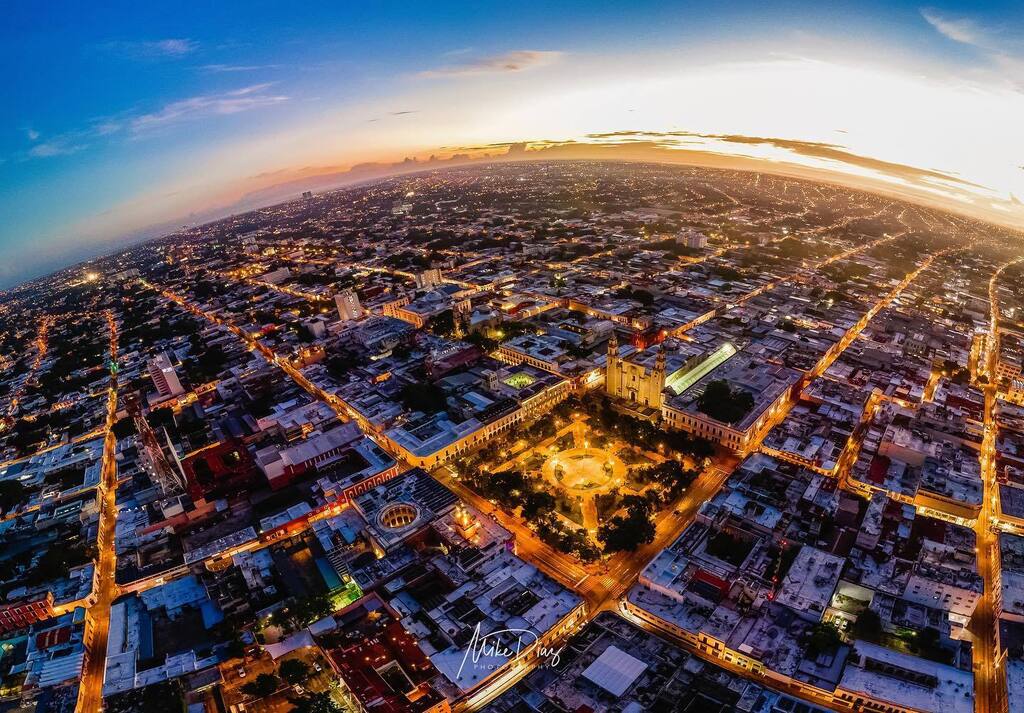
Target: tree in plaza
{"points": [[586, 550], [627, 532], [671, 475], [442, 324], [481, 340], [554, 532], [537, 502], [508, 487]]}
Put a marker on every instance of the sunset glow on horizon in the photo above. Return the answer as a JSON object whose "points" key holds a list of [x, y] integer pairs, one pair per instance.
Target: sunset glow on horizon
{"points": [[921, 101]]}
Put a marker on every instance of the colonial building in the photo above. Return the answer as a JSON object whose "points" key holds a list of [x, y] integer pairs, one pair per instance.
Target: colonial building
{"points": [[632, 381]]}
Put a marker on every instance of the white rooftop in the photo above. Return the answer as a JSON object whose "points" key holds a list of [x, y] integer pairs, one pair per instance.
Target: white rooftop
{"points": [[614, 671], [811, 580], [952, 692]]}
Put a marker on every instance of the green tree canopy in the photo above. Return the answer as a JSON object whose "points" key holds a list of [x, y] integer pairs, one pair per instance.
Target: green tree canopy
{"points": [[316, 703], [822, 637], [12, 493], [631, 530], [723, 403], [294, 671], [868, 626], [264, 685], [425, 397], [305, 611]]}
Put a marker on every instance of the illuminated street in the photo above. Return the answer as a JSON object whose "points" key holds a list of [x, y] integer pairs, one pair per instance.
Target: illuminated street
{"points": [[98, 615], [990, 677]]}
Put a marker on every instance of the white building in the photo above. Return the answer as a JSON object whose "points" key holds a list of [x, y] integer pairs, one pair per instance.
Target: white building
{"points": [[810, 583], [164, 377], [693, 239], [881, 679], [428, 279], [945, 578], [276, 277], [349, 307]]}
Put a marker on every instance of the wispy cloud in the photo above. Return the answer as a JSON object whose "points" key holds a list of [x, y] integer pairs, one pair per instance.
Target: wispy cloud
{"points": [[959, 29], [134, 124], [227, 68], [108, 127], [834, 153], [515, 61], [169, 48], [1003, 50], [54, 147], [405, 112], [247, 98]]}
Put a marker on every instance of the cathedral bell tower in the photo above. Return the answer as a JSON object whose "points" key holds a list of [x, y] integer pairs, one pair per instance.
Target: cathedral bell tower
{"points": [[612, 371]]}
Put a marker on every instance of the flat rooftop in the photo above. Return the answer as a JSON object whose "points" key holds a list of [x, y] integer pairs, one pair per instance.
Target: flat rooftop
{"points": [[762, 380]]}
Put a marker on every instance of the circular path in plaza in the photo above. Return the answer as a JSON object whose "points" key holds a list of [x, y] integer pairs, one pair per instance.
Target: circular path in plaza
{"points": [[584, 471]]}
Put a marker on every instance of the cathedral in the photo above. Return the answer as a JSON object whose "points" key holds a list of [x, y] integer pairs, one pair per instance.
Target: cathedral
{"points": [[633, 382]]}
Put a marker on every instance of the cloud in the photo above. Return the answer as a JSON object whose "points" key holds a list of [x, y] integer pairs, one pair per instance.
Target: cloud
{"points": [[54, 147], [958, 29], [134, 124], [1003, 51], [226, 68], [1010, 66], [169, 48], [395, 113], [108, 127], [173, 47], [247, 98], [827, 153], [62, 144], [514, 61]]}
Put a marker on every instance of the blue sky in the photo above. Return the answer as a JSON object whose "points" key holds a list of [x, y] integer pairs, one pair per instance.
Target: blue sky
{"points": [[129, 115]]}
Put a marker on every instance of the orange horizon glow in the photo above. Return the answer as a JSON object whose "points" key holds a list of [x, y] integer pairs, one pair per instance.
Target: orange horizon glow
{"points": [[824, 124]]}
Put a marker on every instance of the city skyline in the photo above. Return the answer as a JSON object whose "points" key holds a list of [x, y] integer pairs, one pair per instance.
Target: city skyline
{"points": [[126, 123]]}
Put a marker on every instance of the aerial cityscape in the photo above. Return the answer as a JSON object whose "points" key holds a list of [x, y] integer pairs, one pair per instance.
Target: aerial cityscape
{"points": [[512, 358], [668, 436]]}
